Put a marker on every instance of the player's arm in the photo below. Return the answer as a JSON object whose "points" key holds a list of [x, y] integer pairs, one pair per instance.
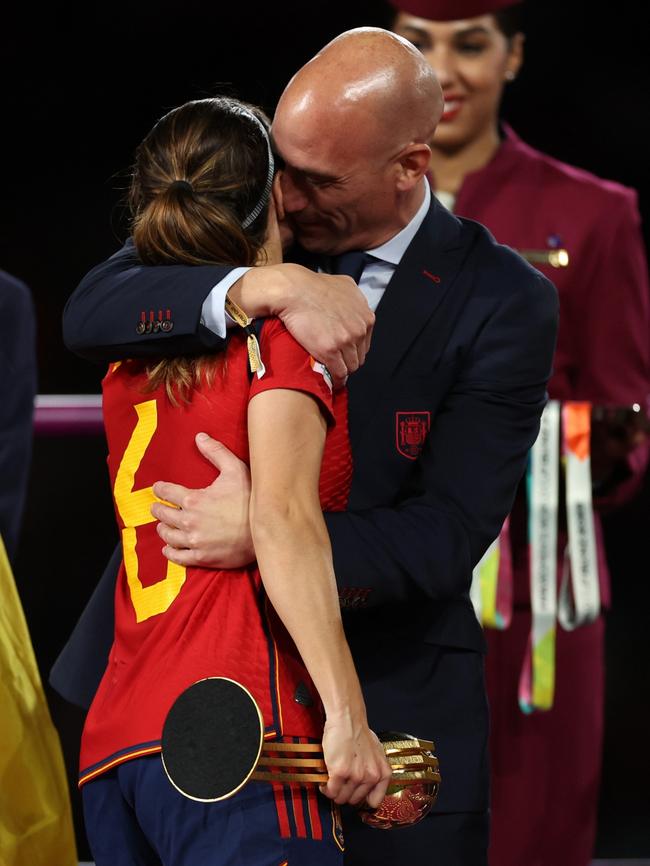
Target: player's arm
{"points": [[287, 434]]}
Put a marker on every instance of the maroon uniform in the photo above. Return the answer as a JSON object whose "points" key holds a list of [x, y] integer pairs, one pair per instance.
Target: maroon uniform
{"points": [[545, 767], [174, 625]]}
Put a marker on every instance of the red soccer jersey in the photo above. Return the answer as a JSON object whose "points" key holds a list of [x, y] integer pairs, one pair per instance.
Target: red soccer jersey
{"points": [[176, 625]]}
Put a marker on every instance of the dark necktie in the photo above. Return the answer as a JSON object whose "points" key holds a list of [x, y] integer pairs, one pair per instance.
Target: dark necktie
{"points": [[351, 264]]}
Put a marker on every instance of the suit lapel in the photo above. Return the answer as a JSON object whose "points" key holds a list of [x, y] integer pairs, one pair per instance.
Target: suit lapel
{"points": [[423, 279]]}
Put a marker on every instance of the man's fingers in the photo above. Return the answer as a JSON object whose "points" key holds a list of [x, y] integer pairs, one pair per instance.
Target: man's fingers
{"points": [[174, 537], [337, 369], [351, 359], [167, 515], [217, 453], [187, 558], [368, 337], [174, 493]]}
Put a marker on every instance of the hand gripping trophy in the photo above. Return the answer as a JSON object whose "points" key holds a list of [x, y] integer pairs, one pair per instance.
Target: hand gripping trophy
{"points": [[213, 744]]}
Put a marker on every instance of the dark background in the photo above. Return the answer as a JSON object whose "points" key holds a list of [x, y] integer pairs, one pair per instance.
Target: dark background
{"points": [[81, 88]]}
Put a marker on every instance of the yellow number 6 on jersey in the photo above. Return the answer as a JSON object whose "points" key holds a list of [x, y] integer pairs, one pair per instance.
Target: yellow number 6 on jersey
{"points": [[134, 509]]}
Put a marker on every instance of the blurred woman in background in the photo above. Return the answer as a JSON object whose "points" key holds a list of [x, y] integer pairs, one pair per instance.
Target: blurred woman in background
{"points": [[546, 764]]}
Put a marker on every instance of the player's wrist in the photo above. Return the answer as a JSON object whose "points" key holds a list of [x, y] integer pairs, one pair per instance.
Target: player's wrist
{"points": [[345, 704]]}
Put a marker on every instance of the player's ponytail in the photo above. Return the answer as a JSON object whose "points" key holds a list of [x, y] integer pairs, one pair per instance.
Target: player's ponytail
{"points": [[198, 174], [200, 195]]}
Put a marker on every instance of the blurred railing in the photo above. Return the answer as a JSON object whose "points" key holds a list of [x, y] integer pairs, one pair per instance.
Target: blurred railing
{"points": [[68, 414]]}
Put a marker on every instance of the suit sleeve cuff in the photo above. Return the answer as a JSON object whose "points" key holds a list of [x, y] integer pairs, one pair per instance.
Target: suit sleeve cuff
{"points": [[213, 314]]}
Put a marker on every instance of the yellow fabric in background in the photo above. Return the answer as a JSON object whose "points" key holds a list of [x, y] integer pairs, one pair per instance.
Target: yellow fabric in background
{"points": [[35, 816]]}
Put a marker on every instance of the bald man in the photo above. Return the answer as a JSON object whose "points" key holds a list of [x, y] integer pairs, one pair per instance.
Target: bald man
{"points": [[442, 414]]}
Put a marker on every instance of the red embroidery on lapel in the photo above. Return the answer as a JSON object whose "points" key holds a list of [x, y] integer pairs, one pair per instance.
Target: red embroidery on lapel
{"points": [[434, 277]]}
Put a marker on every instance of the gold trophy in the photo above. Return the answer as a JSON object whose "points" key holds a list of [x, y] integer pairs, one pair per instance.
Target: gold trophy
{"points": [[213, 744], [414, 789]]}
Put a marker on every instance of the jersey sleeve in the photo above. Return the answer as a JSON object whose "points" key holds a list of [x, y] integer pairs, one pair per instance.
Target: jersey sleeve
{"points": [[289, 366]]}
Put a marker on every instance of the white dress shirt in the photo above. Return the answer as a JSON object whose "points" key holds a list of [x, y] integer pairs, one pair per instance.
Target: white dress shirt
{"points": [[373, 281]]}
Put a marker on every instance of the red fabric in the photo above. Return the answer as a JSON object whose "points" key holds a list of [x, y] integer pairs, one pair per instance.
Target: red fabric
{"points": [[530, 201], [298, 811], [219, 623], [451, 10], [283, 815], [546, 766], [314, 814], [526, 198]]}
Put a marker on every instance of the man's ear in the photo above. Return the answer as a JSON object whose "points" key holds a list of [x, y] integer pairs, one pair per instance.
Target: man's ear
{"points": [[413, 164]]}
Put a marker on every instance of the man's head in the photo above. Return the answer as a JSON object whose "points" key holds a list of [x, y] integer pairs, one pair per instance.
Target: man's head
{"points": [[352, 128]]}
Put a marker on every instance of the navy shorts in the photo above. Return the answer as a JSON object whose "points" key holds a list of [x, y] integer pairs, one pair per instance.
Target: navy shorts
{"points": [[134, 817]]}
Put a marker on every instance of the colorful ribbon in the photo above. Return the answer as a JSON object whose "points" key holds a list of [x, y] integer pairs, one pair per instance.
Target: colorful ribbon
{"points": [[579, 601], [537, 679], [491, 591]]}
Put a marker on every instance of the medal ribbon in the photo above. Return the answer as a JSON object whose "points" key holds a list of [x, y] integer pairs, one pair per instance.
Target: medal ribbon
{"points": [[254, 356], [579, 601], [491, 591], [537, 679]]}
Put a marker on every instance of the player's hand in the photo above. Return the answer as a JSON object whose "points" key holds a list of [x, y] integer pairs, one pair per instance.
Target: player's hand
{"points": [[208, 527], [356, 763]]}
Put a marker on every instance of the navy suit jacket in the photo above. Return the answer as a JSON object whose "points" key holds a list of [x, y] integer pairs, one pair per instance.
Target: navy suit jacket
{"points": [[17, 391], [442, 417]]}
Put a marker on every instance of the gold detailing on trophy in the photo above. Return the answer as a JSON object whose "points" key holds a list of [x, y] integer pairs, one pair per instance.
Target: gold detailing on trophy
{"points": [[410, 795], [213, 744], [414, 787]]}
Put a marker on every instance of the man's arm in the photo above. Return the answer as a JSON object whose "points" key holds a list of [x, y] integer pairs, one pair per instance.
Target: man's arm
{"points": [[102, 318], [80, 665], [122, 309], [464, 485]]}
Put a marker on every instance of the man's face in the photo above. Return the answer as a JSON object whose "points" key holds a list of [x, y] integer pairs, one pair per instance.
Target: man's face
{"points": [[338, 188]]}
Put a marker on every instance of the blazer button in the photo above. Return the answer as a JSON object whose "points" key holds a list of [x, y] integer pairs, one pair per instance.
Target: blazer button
{"points": [[140, 328], [166, 325]]}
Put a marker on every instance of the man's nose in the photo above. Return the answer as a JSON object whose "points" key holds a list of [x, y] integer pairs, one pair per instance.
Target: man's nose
{"points": [[293, 198]]}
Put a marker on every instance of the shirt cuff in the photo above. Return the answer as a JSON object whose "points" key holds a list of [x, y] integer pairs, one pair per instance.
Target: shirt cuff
{"points": [[213, 313]]}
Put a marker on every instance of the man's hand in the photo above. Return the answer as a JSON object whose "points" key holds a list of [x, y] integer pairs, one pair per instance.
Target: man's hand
{"points": [[209, 527], [327, 314]]}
